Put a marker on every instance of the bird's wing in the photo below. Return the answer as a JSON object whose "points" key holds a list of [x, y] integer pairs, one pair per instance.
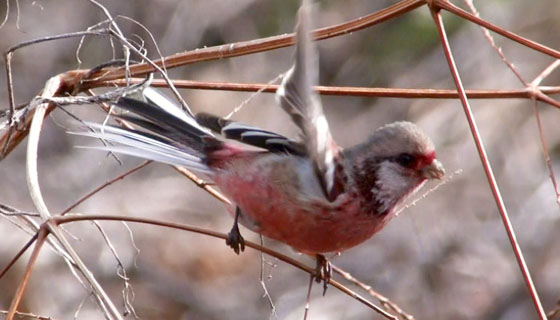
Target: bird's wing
{"points": [[250, 135], [297, 98]]}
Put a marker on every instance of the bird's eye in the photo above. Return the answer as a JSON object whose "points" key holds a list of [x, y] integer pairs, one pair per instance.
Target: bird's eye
{"points": [[405, 160]]}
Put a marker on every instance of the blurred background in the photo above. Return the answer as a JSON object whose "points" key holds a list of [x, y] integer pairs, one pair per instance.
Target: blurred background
{"points": [[447, 257]]}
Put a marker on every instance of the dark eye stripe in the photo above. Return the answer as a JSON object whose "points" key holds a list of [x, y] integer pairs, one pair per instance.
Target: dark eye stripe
{"points": [[405, 159]]}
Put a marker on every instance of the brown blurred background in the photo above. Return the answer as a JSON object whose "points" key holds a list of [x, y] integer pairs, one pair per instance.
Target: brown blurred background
{"points": [[448, 257]]}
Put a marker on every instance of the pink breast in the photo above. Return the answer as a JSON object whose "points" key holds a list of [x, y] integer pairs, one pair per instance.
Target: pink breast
{"points": [[275, 212]]}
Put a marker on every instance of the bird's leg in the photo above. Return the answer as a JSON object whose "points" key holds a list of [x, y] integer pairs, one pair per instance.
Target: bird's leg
{"points": [[323, 271], [234, 238]]}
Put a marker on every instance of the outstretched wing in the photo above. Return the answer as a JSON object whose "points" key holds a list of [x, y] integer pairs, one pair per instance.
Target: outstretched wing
{"points": [[297, 98]]}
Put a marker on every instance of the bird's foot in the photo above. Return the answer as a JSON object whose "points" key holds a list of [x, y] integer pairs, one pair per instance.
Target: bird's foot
{"points": [[323, 271], [234, 238]]}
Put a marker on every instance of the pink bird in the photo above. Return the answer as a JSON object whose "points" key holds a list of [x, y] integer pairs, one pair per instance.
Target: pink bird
{"points": [[310, 194]]}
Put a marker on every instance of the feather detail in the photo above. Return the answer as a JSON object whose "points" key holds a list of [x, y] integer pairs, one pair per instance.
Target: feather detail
{"points": [[165, 132], [297, 98], [143, 145], [250, 135]]}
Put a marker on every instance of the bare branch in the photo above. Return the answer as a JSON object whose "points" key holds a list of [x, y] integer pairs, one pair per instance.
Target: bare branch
{"points": [[385, 302], [41, 237], [403, 93], [103, 186], [486, 165], [446, 5]]}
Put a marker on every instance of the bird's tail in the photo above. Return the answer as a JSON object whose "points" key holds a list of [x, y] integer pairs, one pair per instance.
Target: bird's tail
{"points": [[164, 132]]}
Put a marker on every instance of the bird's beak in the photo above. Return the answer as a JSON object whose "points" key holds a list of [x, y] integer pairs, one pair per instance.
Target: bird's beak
{"points": [[434, 170]]}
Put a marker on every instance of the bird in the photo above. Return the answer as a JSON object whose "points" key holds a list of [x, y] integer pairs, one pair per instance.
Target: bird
{"points": [[309, 192]]}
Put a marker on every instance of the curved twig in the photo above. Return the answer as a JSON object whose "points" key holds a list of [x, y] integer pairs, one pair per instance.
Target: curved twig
{"points": [[52, 88]]}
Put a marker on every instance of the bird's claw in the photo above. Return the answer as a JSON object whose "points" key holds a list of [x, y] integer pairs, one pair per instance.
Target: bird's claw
{"points": [[234, 238], [323, 271]]}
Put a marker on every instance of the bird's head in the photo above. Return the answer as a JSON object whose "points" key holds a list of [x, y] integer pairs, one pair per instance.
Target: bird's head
{"points": [[394, 162]]}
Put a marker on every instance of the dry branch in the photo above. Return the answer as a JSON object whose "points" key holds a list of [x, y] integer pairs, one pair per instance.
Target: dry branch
{"points": [[487, 166]]}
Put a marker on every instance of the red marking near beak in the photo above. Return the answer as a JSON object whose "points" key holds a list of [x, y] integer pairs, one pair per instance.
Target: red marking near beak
{"points": [[425, 160]]}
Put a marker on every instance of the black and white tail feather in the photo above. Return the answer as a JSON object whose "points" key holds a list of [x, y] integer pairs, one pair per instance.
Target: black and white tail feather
{"points": [[166, 133], [171, 135]]}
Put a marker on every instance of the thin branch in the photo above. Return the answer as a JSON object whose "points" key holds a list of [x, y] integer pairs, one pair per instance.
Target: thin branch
{"points": [[27, 315], [18, 255], [486, 164], [555, 312], [426, 193], [404, 93], [202, 184], [10, 211], [266, 294], [545, 73], [100, 295], [385, 302], [152, 38], [252, 96], [121, 272], [6, 15], [103, 186], [493, 44], [114, 25], [59, 220], [444, 4], [41, 237], [308, 297], [31, 227], [545, 152], [546, 99], [80, 306]]}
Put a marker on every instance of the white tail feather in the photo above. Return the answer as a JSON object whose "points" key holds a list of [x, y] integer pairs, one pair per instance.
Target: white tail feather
{"points": [[137, 145]]}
